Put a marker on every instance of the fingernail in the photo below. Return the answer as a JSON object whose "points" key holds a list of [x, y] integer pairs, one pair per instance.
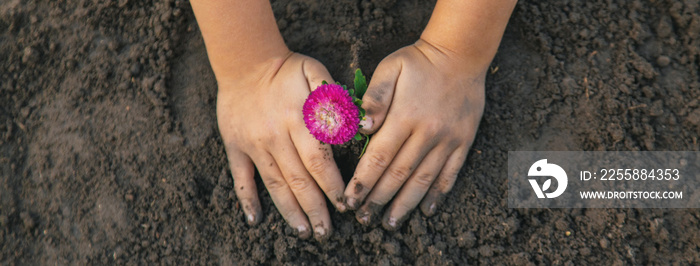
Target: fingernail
{"points": [[251, 218], [364, 220], [303, 231], [341, 207], [392, 222], [351, 203], [320, 231], [432, 208], [367, 123], [363, 217]]}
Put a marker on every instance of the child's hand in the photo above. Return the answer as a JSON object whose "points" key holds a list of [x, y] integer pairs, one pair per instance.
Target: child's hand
{"points": [[261, 123], [428, 103]]}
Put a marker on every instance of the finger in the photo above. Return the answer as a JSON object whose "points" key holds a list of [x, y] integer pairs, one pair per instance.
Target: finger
{"points": [[318, 160], [380, 92], [243, 173], [282, 195], [416, 187], [444, 182], [406, 161], [316, 157], [380, 152], [315, 73], [305, 189]]}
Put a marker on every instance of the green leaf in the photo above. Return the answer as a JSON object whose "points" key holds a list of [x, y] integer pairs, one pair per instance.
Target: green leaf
{"points": [[352, 92], [362, 112], [345, 87], [357, 102], [360, 83], [358, 137], [324, 82]]}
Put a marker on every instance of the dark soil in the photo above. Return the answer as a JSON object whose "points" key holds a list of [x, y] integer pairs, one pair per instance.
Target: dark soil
{"points": [[110, 154]]}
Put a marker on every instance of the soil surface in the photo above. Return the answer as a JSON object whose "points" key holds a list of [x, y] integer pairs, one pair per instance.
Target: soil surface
{"points": [[110, 154]]}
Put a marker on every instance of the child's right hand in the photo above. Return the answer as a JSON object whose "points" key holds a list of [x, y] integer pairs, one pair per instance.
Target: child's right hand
{"points": [[260, 120]]}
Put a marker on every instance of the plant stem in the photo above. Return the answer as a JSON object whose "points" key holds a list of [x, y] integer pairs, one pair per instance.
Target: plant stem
{"points": [[365, 147]]}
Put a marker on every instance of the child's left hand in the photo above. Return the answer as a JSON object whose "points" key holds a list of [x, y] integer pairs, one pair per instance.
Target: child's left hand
{"points": [[428, 103]]}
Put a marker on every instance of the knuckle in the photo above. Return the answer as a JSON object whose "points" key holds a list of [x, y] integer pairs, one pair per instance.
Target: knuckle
{"points": [[443, 184], [369, 103], [388, 61], [314, 213], [451, 173], [433, 129], [275, 184], [312, 63], [424, 179], [377, 96], [455, 142], [298, 182], [270, 140], [243, 146], [314, 70], [316, 164], [398, 174], [378, 160], [236, 145]]}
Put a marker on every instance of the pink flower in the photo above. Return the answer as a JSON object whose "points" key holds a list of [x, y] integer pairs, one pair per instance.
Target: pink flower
{"points": [[330, 114]]}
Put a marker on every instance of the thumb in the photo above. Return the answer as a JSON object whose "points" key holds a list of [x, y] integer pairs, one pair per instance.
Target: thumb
{"points": [[316, 73], [379, 95]]}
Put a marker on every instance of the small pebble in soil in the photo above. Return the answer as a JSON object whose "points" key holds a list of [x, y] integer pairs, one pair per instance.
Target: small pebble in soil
{"points": [[70, 63], [30, 55], [663, 61]]}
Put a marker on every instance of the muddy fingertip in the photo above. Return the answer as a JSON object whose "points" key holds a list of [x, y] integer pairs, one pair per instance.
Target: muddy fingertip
{"points": [[340, 204], [428, 209], [351, 203], [390, 223], [303, 232], [253, 214], [321, 233], [367, 213], [430, 204], [366, 125], [252, 219], [363, 217]]}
